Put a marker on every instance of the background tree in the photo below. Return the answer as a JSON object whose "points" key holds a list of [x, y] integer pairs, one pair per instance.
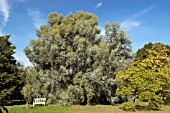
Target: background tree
{"points": [[143, 52], [148, 79], [10, 75], [36, 84]]}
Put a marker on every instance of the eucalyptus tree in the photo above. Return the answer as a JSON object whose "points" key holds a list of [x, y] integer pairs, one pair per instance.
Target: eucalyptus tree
{"points": [[79, 65], [61, 48]]}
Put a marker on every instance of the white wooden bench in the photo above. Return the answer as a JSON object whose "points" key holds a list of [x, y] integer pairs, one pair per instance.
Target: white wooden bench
{"points": [[39, 101]]}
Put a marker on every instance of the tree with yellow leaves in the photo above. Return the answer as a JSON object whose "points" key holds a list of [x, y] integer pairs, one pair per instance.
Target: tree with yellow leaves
{"points": [[148, 79]]}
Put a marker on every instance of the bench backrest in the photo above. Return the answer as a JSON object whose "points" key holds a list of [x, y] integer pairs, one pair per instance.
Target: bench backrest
{"points": [[39, 100]]}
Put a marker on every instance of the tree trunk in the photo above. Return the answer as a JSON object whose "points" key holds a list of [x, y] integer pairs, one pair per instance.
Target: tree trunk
{"points": [[27, 105]]}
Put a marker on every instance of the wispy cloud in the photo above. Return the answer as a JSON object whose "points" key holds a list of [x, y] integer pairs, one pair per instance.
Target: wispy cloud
{"points": [[4, 9], [37, 18], [130, 24], [143, 12], [99, 5], [133, 22], [5, 12]]}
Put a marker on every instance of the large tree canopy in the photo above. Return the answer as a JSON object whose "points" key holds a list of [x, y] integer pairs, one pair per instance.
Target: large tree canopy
{"points": [[10, 76], [148, 79], [74, 61]]}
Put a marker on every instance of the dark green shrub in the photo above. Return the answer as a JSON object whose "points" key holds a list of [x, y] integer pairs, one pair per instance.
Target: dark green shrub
{"points": [[128, 106]]}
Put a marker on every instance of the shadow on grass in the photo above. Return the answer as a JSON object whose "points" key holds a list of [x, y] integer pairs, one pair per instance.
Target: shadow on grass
{"points": [[4, 108], [147, 108]]}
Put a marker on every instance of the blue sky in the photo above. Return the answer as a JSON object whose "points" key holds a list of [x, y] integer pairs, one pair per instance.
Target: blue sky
{"points": [[144, 20]]}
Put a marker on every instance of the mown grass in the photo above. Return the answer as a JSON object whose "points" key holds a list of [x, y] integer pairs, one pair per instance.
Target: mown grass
{"points": [[79, 109], [40, 109]]}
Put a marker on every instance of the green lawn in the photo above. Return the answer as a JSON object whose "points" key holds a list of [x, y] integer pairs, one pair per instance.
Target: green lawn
{"points": [[78, 109], [41, 109]]}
